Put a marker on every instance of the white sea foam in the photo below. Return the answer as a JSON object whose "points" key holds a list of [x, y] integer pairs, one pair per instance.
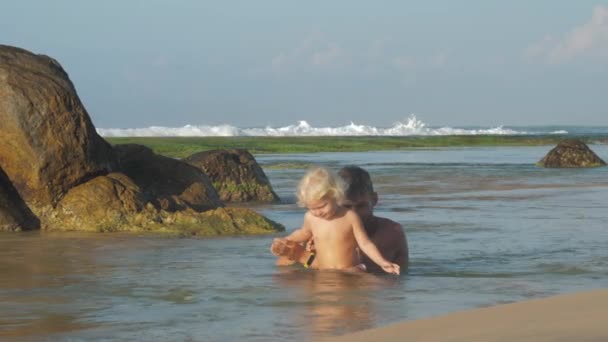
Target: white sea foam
{"points": [[412, 126]]}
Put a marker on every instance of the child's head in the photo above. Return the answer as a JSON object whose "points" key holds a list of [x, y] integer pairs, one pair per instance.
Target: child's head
{"points": [[320, 184]]}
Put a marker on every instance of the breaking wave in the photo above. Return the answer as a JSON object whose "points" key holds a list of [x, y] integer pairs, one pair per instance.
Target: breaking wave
{"points": [[411, 127]]}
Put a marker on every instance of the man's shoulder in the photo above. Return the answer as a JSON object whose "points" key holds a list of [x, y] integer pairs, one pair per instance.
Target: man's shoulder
{"points": [[383, 224]]}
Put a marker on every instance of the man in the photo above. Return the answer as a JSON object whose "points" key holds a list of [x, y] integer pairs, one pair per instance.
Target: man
{"points": [[387, 235]]}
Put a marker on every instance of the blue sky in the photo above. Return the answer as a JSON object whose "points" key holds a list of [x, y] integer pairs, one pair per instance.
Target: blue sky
{"points": [[258, 63]]}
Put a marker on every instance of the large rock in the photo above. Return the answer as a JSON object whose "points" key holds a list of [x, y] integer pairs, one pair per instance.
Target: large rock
{"points": [[105, 203], [168, 183], [14, 213], [114, 203], [220, 221], [48, 142], [56, 173], [235, 175], [571, 153]]}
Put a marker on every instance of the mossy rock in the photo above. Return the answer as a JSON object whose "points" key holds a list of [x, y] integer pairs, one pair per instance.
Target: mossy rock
{"points": [[571, 153], [170, 184], [219, 222], [114, 203], [235, 175]]}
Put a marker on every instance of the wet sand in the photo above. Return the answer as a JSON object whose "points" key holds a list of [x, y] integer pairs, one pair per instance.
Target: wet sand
{"points": [[571, 317]]}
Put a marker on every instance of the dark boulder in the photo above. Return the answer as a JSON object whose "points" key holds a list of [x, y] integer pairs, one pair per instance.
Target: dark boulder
{"points": [[235, 174], [48, 142], [14, 213], [571, 153], [168, 183]]}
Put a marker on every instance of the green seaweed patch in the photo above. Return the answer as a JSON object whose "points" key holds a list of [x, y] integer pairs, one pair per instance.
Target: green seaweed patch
{"points": [[216, 222], [288, 166], [232, 191], [181, 147], [233, 187], [224, 221]]}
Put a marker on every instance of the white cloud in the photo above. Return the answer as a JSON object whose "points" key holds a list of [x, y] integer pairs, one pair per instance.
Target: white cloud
{"points": [[327, 56], [439, 60], [402, 63], [589, 39], [313, 52], [160, 61], [279, 61], [378, 47], [317, 52]]}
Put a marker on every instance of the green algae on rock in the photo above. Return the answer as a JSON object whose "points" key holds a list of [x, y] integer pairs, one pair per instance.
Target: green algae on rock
{"points": [[235, 174]]}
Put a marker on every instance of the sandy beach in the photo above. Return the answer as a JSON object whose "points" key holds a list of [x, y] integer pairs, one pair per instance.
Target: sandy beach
{"points": [[569, 317]]}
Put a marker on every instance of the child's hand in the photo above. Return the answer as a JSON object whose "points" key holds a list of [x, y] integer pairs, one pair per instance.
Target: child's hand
{"points": [[278, 246], [391, 268], [286, 248], [310, 245]]}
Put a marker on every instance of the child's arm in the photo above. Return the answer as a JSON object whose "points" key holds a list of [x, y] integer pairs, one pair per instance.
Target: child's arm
{"points": [[368, 247], [287, 246], [301, 235]]}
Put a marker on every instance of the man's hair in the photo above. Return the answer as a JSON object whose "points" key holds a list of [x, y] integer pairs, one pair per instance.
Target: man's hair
{"points": [[358, 182]]}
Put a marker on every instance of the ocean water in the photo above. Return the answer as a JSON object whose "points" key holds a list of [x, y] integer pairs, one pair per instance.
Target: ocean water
{"points": [[484, 226]]}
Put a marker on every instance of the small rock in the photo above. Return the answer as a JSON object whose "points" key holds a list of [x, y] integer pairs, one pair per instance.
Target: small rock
{"points": [[235, 174], [571, 153]]}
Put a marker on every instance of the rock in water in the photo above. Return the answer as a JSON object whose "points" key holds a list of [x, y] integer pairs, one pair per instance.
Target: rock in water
{"points": [[571, 153], [14, 213], [105, 203], [167, 183], [235, 174], [57, 173], [48, 142]]}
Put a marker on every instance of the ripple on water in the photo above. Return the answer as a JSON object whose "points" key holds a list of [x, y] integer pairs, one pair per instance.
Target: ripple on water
{"points": [[179, 296], [562, 269]]}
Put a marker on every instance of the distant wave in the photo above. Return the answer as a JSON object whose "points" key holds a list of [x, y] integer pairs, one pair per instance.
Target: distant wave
{"points": [[411, 127]]}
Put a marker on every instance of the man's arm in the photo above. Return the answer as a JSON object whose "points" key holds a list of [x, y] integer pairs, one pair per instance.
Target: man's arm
{"points": [[401, 247]]}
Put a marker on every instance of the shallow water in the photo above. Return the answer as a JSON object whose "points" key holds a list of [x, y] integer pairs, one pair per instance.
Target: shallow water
{"points": [[484, 226]]}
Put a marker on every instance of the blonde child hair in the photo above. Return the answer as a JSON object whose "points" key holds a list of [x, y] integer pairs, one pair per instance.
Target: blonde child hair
{"points": [[320, 183]]}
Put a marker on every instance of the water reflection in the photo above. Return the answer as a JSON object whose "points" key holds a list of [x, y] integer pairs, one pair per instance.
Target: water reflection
{"points": [[40, 277], [339, 302]]}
